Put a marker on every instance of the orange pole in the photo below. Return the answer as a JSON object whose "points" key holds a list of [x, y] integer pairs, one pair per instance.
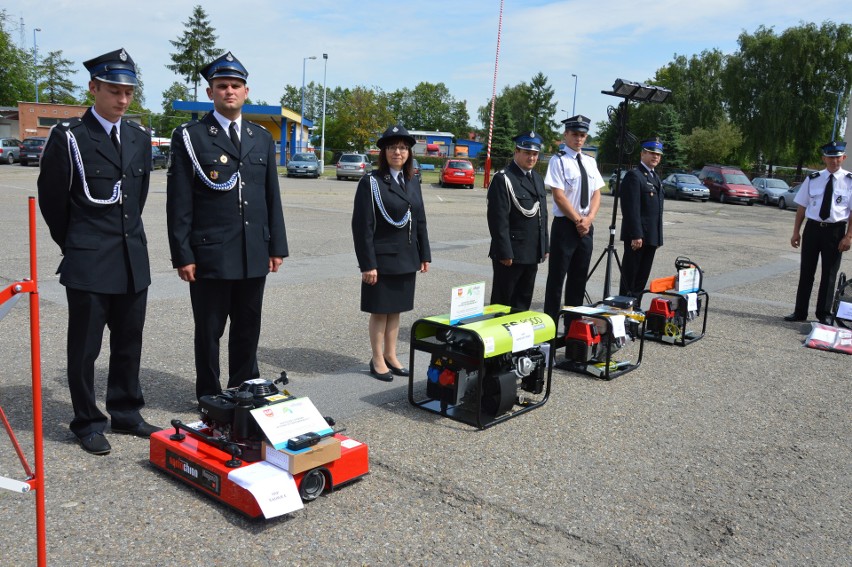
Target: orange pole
{"points": [[38, 439]]}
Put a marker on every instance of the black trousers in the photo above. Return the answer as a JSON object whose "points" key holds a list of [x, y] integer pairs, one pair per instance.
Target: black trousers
{"points": [[124, 315], [513, 285], [819, 243], [570, 256], [213, 303], [636, 269]]}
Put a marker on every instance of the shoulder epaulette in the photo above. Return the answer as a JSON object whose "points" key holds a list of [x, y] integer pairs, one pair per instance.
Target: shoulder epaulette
{"points": [[814, 175], [561, 153], [258, 125], [68, 124], [849, 174], [135, 125]]}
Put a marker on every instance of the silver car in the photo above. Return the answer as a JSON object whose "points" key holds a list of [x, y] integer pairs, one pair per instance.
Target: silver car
{"points": [[685, 186], [303, 165], [353, 165], [770, 190]]}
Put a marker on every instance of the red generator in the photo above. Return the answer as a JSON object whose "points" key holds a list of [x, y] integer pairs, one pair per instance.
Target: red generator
{"points": [[583, 341]]}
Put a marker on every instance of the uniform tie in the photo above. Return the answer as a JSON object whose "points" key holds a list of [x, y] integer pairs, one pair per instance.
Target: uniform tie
{"points": [[401, 180], [235, 139], [828, 194], [584, 184], [113, 135]]}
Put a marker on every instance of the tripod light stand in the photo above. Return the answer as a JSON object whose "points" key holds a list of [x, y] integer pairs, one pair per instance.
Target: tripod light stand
{"points": [[629, 91]]}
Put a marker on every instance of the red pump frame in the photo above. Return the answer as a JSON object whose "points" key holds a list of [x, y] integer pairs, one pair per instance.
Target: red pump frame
{"points": [[34, 477]]}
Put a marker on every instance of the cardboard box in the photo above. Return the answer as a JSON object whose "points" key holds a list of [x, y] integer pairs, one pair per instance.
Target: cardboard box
{"points": [[294, 462]]}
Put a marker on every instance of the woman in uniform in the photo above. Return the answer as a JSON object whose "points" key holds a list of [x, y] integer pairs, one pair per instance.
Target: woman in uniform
{"points": [[392, 245]]}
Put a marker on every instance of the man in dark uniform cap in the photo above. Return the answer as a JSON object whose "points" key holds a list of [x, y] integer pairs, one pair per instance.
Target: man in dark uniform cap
{"points": [[225, 224], [92, 188], [575, 182], [517, 221], [642, 219], [824, 199]]}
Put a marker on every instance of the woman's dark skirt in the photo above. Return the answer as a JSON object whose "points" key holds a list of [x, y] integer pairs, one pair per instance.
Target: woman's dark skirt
{"points": [[391, 294]]}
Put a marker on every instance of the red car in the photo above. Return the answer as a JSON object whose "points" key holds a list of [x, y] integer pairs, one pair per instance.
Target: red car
{"points": [[457, 172]]}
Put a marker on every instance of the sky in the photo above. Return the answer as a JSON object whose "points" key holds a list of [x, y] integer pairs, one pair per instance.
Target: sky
{"points": [[394, 45]]}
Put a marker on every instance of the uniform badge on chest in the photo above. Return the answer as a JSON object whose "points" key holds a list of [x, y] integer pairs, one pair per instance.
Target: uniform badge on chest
{"points": [[223, 158], [214, 175]]}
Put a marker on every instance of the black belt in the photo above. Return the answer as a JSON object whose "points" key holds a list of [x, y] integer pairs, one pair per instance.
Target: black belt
{"points": [[823, 224]]}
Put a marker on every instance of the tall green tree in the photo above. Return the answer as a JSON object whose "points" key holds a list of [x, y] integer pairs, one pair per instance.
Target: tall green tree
{"points": [[530, 105], [55, 85], [15, 69], [776, 88], [543, 109], [502, 146], [696, 85], [195, 48]]}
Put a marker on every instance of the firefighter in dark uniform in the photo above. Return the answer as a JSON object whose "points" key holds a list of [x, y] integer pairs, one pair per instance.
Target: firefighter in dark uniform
{"points": [[824, 200], [92, 188], [642, 219], [225, 224], [517, 221]]}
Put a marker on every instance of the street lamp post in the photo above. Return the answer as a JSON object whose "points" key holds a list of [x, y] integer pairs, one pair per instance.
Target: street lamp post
{"points": [[302, 113], [574, 106], [322, 142], [35, 61], [836, 112]]}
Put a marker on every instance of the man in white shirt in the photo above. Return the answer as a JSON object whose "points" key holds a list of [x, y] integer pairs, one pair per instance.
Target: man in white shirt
{"points": [[575, 183], [824, 199]]}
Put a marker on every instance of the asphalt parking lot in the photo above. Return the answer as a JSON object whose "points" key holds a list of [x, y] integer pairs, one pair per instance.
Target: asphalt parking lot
{"points": [[731, 451]]}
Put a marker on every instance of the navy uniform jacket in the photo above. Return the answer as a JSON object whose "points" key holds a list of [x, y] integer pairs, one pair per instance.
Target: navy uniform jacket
{"points": [[513, 235], [641, 207], [378, 244], [228, 235], [104, 246]]}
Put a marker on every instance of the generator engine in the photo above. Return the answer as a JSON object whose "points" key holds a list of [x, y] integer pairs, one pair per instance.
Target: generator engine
{"points": [[453, 381], [582, 341], [227, 417], [667, 315]]}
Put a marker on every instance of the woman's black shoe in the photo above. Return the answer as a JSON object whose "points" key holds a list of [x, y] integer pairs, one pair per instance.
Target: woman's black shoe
{"points": [[386, 377], [397, 371]]}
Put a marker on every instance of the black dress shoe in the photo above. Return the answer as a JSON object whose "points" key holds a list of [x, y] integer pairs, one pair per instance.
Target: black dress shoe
{"points": [[142, 429], [824, 320], [793, 317], [401, 371], [386, 377], [95, 443]]}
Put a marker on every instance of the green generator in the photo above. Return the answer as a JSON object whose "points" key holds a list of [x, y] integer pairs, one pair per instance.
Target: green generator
{"points": [[484, 369]]}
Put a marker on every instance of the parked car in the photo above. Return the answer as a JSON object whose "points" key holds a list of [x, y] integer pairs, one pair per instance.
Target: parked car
{"points": [[353, 165], [685, 186], [10, 150], [457, 172], [728, 184], [785, 201], [770, 190], [417, 173], [158, 158], [303, 165], [31, 150], [612, 180]]}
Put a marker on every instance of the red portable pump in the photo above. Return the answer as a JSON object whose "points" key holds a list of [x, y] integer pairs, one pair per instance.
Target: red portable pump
{"points": [[582, 342]]}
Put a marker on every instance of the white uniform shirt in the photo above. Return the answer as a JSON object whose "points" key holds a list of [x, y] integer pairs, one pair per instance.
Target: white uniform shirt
{"points": [[563, 173], [811, 191]]}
